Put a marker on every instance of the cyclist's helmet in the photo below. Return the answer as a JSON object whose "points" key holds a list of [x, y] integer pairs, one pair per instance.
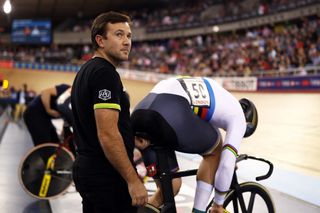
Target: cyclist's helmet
{"points": [[251, 115]]}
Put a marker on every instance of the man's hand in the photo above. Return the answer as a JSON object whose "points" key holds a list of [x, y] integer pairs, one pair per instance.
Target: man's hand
{"points": [[138, 193], [215, 208]]}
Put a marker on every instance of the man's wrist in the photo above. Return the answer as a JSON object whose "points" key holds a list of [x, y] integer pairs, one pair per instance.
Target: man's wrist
{"points": [[132, 177]]}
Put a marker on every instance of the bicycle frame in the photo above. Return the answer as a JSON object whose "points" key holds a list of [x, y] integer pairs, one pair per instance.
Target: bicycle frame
{"points": [[67, 141], [165, 178]]}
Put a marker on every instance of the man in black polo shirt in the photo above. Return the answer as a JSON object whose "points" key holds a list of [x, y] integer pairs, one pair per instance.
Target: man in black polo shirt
{"points": [[103, 172]]}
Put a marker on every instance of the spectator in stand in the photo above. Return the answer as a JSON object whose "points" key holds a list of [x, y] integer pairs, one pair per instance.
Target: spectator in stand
{"points": [[22, 101], [13, 99]]}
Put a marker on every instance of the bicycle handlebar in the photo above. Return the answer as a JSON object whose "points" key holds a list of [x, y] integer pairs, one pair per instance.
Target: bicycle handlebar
{"points": [[262, 177]]}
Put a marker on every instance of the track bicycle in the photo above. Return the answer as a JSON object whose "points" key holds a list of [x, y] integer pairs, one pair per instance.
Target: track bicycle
{"points": [[45, 171], [246, 197]]}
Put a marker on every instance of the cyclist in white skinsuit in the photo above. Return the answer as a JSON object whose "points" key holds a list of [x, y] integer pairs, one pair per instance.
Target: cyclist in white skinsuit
{"points": [[176, 114]]}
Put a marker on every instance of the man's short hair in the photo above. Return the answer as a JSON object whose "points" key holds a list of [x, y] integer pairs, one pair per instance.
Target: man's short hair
{"points": [[99, 24]]}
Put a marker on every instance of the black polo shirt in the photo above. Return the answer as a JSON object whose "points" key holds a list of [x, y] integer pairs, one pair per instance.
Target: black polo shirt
{"points": [[98, 85]]}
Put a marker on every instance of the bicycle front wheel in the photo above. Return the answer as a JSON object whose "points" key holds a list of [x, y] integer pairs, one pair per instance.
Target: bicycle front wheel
{"points": [[251, 198], [45, 171]]}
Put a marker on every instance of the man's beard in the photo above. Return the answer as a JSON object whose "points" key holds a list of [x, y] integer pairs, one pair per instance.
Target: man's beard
{"points": [[118, 58]]}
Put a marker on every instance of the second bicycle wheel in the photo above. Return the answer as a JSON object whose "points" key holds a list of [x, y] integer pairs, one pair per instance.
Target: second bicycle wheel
{"points": [[256, 199], [45, 171]]}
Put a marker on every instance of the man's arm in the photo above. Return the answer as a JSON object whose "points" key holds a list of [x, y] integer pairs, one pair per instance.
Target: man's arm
{"points": [[113, 147], [45, 98]]}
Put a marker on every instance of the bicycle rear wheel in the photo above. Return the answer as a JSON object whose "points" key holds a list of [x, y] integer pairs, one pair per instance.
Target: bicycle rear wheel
{"points": [[45, 171]]}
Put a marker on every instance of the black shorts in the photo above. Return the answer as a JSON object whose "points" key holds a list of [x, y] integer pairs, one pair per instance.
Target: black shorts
{"points": [[101, 190], [170, 122]]}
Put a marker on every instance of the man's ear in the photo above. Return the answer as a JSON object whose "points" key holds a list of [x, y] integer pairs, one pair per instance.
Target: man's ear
{"points": [[99, 40]]}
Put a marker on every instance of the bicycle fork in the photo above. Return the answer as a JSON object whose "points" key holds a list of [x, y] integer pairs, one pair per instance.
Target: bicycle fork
{"points": [[47, 176], [239, 198]]}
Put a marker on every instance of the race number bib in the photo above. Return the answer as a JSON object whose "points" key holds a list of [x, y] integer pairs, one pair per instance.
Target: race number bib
{"points": [[197, 91]]}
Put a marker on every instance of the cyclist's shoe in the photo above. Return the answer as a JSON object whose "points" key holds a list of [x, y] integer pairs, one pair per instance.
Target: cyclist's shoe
{"points": [[225, 211], [148, 208]]}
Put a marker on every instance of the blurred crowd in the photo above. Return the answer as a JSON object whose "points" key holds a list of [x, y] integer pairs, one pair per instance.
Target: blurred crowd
{"points": [[196, 13], [55, 54], [184, 14], [277, 47]]}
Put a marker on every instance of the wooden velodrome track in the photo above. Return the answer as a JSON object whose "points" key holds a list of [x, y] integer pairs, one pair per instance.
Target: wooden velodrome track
{"points": [[289, 124]]}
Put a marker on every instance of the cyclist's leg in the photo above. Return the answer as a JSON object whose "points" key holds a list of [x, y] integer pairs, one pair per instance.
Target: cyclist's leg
{"points": [[205, 178], [200, 137], [156, 199], [209, 165]]}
